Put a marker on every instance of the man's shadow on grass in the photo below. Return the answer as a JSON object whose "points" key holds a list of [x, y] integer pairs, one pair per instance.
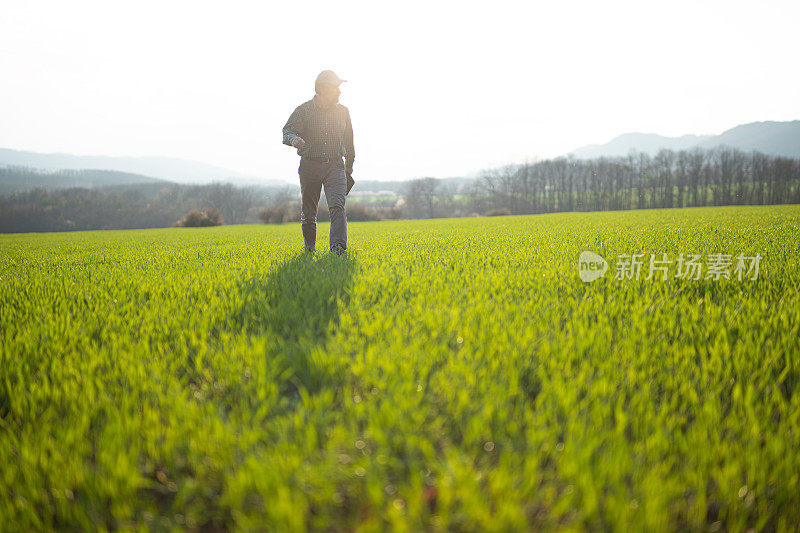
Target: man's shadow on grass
{"points": [[297, 307]]}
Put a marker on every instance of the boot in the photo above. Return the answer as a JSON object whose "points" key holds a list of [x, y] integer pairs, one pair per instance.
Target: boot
{"points": [[310, 236]]}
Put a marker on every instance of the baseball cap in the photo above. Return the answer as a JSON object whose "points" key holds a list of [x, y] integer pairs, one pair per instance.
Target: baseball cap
{"points": [[328, 76]]}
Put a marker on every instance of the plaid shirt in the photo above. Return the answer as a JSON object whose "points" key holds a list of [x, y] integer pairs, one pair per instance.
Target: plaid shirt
{"points": [[327, 133]]}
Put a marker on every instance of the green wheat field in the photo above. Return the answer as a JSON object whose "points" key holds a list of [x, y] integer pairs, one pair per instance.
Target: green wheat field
{"points": [[442, 375]]}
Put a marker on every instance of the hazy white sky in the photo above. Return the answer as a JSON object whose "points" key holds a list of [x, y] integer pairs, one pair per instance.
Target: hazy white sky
{"points": [[434, 88]]}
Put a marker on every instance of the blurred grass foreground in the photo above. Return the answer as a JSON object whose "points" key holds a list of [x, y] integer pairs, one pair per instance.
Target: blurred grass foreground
{"points": [[446, 374]]}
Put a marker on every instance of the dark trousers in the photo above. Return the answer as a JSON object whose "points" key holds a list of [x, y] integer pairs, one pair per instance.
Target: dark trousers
{"points": [[313, 176]]}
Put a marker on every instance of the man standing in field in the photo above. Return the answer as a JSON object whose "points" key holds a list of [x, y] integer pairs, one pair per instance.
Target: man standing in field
{"points": [[321, 131]]}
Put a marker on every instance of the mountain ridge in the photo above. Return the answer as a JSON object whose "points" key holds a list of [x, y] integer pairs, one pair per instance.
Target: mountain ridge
{"points": [[769, 137], [166, 168]]}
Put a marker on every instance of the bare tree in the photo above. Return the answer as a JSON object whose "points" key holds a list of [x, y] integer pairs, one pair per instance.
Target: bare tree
{"points": [[419, 196]]}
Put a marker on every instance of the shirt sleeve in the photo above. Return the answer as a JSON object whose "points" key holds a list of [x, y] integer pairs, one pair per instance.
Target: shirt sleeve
{"points": [[350, 151], [293, 127]]}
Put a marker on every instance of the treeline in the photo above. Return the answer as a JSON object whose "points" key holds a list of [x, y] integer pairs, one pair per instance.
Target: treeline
{"points": [[117, 207], [686, 178]]}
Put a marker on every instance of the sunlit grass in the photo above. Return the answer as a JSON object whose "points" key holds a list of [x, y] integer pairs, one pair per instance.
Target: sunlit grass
{"points": [[448, 374]]}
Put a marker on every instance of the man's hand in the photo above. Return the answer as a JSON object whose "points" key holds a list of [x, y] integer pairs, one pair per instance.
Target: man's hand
{"points": [[349, 171], [298, 142]]}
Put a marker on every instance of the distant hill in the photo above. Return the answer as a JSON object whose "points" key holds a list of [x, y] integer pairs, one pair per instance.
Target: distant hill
{"points": [[166, 168], [776, 138], [397, 186], [19, 179]]}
